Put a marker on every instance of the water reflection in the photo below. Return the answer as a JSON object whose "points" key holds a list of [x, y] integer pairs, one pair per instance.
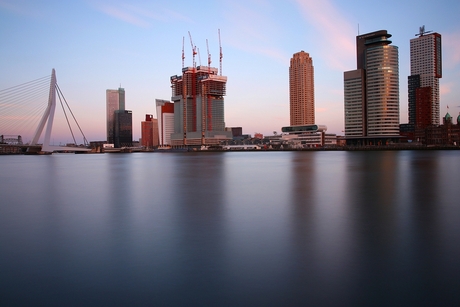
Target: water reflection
{"points": [[271, 228], [197, 248], [321, 228], [257, 257]]}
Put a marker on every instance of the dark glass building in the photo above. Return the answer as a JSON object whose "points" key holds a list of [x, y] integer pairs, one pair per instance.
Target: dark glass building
{"points": [[123, 136], [115, 100]]}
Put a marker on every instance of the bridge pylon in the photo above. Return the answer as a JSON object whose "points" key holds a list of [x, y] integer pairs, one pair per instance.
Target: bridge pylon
{"points": [[47, 118]]}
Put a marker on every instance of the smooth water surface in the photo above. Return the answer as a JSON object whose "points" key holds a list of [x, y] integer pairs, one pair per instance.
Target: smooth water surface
{"points": [[231, 229]]}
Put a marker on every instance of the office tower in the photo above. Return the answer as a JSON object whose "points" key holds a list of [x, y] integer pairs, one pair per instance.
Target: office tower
{"points": [[123, 129], [165, 114], [198, 96], [425, 70], [147, 131], [371, 92], [115, 100], [301, 90], [355, 108], [119, 120], [156, 139]]}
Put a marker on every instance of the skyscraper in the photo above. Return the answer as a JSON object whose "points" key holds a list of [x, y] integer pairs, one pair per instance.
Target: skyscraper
{"points": [[156, 137], [115, 100], [425, 70], [165, 114], [301, 90], [123, 131], [371, 92], [198, 96], [119, 120]]}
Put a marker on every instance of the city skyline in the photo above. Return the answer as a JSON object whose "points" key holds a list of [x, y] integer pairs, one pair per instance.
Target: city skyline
{"points": [[100, 45]]}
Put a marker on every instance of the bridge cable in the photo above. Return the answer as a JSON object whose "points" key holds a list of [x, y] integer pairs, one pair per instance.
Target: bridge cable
{"points": [[66, 118], [85, 141], [19, 111], [14, 88]]}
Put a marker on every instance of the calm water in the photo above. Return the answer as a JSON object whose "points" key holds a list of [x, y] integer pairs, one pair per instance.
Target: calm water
{"points": [[231, 229]]}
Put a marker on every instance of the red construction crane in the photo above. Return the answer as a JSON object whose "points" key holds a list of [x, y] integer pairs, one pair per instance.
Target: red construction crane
{"points": [[220, 55], [193, 49], [209, 57], [183, 54]]}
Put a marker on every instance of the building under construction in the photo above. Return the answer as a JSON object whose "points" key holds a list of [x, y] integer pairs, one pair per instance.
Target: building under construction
{"points": [[198, 96]]}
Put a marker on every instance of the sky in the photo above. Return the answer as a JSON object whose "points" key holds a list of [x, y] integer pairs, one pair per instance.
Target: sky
{"points": [[96, 45]]}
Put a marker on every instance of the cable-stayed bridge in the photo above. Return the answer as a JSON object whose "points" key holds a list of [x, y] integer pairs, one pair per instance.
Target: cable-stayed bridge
{"points": [[27, 108]]}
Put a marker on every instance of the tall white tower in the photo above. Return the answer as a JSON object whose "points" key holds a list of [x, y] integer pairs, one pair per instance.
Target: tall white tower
{"points": [[426, 63]]}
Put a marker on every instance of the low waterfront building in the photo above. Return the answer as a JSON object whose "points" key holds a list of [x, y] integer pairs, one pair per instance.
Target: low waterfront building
{"points": [[446, 134], [307, 136]]}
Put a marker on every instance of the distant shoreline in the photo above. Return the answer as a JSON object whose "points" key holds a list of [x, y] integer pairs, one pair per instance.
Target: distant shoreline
{"points": [[335, 148]]}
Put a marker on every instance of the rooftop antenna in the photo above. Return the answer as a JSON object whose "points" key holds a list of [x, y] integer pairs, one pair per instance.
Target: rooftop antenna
{"points": [[358, 28], [422, 31]]}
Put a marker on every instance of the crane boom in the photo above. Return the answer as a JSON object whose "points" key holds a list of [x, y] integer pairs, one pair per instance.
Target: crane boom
{"points": [[193, 49], [220, 54], [209, 57], [183, 54]]}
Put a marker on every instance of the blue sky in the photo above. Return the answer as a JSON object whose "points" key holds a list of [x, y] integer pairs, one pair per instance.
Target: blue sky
{"points": [[101, 44]]}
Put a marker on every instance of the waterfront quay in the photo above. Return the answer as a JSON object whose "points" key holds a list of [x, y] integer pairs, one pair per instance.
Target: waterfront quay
{"points": [[23, 149]]}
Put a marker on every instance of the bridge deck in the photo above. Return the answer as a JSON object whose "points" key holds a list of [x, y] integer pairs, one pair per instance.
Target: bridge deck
{"points": [[19, 149]]}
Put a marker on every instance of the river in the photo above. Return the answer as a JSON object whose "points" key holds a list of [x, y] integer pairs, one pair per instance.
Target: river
{"points": [[374, 228]]}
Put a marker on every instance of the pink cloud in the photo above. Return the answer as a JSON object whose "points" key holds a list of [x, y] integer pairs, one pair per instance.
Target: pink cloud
{"points": [[124, 15], [446, 88], [321, 110], [139, 16], [253, 30], [334, 29], [451, 49]]}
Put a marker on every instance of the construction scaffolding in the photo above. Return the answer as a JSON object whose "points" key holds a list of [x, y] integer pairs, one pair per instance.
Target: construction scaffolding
{"points": [[198, 96], [199, 93]]}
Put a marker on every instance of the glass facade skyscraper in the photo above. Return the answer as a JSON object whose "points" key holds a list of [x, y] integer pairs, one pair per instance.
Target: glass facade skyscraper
{"points": [[123, 136], [371, 92], [382, 90]]}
